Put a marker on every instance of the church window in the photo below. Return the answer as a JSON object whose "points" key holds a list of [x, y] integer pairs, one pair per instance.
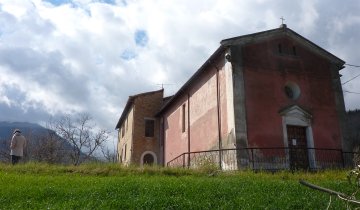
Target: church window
{"points": [[289, 92], [183, 117], [294, 50], [149, 127], [122, 131], [279, 48], [292, 90]]}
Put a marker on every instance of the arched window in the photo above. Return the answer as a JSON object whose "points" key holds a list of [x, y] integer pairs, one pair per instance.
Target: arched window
{"points": [[148, 159]]}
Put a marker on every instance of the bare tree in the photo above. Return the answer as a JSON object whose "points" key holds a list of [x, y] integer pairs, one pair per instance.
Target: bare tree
{"points": [[109, 155], [82, 135], [48, 147], [4, 151]]}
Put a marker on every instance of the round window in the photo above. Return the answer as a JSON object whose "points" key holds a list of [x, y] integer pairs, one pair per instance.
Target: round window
{"points": [[292, 90]]}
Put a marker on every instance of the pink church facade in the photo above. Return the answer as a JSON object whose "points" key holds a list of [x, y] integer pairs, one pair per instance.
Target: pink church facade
{"points": [[272, 89]]}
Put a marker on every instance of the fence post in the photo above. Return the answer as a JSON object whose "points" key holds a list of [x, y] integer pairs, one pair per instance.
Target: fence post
{"points": [[188, 159], [184, 160], [342, 158], [220, 159], [252, 158]]}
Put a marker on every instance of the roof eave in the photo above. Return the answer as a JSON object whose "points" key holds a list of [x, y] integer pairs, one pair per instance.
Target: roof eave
{"points": [[245, 39], [125, 112]]}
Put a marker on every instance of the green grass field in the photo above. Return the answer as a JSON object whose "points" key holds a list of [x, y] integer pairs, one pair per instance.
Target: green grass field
{"points": [[95, 186]]}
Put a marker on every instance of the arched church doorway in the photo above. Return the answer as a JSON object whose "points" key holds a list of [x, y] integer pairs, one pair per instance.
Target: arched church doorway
{"points": [[148, 158]]}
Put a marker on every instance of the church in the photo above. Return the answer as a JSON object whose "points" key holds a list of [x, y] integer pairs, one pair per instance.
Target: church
{"points": [[268, 100]]}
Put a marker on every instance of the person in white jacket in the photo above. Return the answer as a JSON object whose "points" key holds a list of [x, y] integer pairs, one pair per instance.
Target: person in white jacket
{"points": [[18, 143]]}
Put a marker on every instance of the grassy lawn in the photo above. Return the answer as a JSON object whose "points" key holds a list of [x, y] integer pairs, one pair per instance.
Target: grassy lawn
{"points": [[94, 186]]}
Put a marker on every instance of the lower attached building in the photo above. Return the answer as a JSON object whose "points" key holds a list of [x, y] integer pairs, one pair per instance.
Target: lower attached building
{"points": [[138, 130]]}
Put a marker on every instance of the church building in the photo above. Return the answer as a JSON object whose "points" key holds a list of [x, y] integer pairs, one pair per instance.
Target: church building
{"points": [[269, 99]]}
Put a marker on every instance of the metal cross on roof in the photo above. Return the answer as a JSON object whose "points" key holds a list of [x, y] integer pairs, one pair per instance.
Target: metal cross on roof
{"points": [[282, 19]]}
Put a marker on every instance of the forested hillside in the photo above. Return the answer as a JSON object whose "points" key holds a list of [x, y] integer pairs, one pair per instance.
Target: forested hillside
{"points": [[353, 127], [6, 129]]}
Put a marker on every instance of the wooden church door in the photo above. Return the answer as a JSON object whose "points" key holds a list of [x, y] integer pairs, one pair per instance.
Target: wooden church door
{"points": [[297, 147]]}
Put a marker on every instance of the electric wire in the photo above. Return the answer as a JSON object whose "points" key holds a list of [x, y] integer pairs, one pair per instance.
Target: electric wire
{"points": [[350, 79], [346, 91], [357, 66]]}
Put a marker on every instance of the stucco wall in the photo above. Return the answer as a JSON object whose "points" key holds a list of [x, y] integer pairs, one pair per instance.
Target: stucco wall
{"points": [[175, 141], [126, 139], [201, 106]]}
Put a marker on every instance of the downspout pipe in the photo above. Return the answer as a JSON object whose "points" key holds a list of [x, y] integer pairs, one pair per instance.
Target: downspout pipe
{"points": [[188, 125], [162, 140]]}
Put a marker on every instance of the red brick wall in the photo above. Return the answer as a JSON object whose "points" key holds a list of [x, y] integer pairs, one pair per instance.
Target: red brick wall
{"points": [[266, 71], [146, 106]]}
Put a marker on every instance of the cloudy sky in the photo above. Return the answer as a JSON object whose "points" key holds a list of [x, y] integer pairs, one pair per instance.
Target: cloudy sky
{"points": [[66, 56]]}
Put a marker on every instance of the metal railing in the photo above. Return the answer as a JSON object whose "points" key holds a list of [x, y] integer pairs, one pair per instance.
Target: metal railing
{"points": [[274, 158]]}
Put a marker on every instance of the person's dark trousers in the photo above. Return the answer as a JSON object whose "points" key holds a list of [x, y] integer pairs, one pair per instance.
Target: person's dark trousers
{"points": [[15, 159]]}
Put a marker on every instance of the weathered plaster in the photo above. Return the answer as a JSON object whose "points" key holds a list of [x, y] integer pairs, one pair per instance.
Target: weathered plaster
{"points": [[239, 97]]}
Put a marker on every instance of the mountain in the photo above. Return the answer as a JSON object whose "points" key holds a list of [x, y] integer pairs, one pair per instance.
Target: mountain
{"points": [[7, 128]]}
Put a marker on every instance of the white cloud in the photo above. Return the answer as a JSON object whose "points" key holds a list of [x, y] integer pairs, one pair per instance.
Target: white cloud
{"points": [[309, 16], [18, 8], [4, 99]]}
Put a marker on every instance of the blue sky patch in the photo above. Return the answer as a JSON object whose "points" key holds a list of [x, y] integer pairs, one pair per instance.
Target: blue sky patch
{"points": [[124, 3], [112, 2], [128, 55], [141, 38], [58, 2], [61, 2]]}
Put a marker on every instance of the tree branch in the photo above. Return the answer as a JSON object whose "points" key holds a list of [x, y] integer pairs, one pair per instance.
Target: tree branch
{"points": [[331, 192]]}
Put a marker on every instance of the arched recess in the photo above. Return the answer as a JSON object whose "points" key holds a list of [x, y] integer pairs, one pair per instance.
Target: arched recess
{"points": [[148, 157], [297, 116]]}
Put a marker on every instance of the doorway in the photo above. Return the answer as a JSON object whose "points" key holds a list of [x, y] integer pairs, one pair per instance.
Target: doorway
{"points": [[297, 142], [148, 159]]}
